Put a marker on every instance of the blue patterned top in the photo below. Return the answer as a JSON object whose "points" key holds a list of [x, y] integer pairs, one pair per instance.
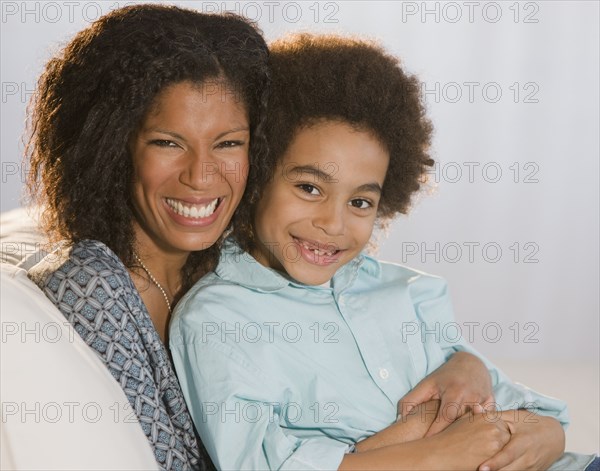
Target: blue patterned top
{"points": [[93, 289]]}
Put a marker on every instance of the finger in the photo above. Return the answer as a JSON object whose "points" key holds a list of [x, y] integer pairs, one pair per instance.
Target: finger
{"points": [[499, 461], [507, 457], [437, 426], [448, 412], [489, 403], [421, 393]]}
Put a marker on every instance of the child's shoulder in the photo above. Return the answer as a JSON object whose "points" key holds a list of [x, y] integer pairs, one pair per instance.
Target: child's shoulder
{"points": [[394, 274], [234, 279], [207, 288]]}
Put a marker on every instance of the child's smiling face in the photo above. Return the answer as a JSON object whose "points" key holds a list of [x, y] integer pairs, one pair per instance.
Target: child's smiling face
{"points": [[319, 210]]}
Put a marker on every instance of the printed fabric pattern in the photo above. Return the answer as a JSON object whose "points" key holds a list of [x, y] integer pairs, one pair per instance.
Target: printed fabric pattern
{"points": [[96, 294]]}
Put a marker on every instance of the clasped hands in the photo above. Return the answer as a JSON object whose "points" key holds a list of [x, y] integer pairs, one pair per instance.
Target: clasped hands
{"points": [[451, 416]]}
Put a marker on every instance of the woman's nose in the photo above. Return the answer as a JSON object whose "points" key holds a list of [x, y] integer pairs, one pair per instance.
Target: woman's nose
{"points": [[200, 169]]}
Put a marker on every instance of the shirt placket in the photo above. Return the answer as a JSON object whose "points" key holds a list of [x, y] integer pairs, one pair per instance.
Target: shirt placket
{"points": [[368, 336]]}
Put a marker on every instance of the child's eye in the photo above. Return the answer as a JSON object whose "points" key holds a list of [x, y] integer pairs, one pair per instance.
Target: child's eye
{"points": [[360, 203], [226, 144], [310, 189]]}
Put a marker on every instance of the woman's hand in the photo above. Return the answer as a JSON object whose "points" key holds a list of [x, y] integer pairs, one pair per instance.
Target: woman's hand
{"points": [[467, 440], [464, 445], [463, 383], [536, 442]]}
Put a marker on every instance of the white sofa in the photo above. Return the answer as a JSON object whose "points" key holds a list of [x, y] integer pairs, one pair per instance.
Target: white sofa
{"points": [[61, 408]]}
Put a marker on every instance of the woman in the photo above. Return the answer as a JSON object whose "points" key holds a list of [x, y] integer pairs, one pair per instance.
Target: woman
{"points": [[142, 132]]}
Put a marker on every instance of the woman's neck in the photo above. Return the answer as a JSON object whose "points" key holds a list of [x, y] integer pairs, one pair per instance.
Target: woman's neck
{"points": [[157, 277]]}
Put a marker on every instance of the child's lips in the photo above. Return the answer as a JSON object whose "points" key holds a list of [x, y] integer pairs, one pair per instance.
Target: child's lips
{"points": [[328, 248], [318, 253]]}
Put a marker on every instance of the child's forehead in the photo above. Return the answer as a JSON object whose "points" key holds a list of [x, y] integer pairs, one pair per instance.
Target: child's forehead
{"points": [[326, 135], [333, 151]]}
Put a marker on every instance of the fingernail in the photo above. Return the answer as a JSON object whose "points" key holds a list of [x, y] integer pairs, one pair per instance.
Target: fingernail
{"points": [[484, 468]]}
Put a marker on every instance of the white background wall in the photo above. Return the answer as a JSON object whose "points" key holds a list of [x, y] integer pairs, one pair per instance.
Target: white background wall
{"points": [[513, 90]]}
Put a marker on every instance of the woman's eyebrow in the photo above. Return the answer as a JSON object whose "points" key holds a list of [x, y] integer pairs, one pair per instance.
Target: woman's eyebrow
{"points": [[180, 137], [163, 131], [231, 131]]}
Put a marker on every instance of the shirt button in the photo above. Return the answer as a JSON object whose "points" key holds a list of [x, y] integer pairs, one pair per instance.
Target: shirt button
{"points": [[384, 373]]}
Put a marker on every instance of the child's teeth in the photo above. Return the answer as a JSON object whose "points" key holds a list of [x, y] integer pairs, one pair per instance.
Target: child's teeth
{"points": [[319, 252]]}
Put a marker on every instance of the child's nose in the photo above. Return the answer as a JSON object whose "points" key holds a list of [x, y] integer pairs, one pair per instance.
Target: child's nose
{"points": [[331, 219]]}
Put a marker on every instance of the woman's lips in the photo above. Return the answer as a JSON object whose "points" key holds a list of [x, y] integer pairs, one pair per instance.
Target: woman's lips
{"points": [[197, 213], [193, 210]]}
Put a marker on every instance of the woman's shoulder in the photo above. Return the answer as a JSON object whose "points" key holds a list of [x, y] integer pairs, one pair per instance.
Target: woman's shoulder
{"points": [[92, 288], [81, 264], [95, 253]]}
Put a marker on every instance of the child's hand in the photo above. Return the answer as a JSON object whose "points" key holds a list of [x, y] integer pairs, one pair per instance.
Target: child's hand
{"points": [[463, 383], [535, 444]]}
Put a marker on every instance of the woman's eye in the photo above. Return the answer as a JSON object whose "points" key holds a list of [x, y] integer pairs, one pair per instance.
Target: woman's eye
{"points": [[360, 203], [163, 143], [226, 144], [310, 189]]}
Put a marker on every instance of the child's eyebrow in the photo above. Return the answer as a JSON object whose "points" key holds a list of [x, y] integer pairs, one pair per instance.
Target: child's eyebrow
{"points": [[370, 187], [317, 173], [320, 175]]}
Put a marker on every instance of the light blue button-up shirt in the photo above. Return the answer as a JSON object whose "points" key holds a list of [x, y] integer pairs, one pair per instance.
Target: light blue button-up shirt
{"points": [[280, 375]]}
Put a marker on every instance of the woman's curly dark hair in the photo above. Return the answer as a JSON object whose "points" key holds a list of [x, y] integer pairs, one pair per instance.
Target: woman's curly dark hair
{"points": [[92, 98], [325, 77]]}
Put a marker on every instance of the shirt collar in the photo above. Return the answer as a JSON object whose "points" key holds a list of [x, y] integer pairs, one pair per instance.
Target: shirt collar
{"points": [[242, 268]]}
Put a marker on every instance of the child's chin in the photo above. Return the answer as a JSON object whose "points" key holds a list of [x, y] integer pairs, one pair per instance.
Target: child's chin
{"points": [[312, 277]]}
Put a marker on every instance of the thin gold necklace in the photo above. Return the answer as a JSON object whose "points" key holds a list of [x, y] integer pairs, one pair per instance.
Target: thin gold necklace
{"points": [[164, 293]]}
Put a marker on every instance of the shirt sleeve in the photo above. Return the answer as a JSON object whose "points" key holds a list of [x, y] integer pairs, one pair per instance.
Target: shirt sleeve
{"points": [[434, 310], [239, 420]]}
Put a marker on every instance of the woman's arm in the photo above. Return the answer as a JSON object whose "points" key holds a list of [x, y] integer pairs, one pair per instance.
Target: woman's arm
{"points": [[411, 426], [464, 445], [535, 443]]}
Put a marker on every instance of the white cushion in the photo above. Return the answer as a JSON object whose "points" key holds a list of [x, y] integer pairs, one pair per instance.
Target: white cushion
{"points": [[21, 241], [61, 408]]}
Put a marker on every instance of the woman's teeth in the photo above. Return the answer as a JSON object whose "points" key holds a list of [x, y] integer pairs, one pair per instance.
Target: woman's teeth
{"points": [[192, 210]]}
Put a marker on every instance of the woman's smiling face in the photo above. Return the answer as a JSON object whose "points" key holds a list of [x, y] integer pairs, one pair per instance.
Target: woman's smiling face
{"points": [[319, 210], [190, 161]]}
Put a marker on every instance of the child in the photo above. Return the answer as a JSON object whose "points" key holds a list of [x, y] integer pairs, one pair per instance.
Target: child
{"points": [[294, 353]]}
